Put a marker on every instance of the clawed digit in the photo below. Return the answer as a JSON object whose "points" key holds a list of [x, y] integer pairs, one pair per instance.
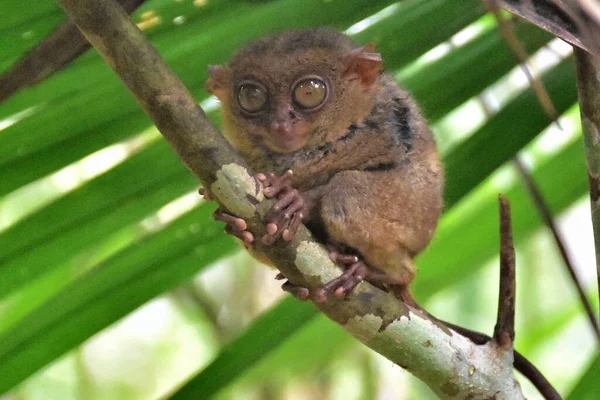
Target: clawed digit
{"points": [[274, 184], [344, 283], [356, 271], [235, 226], [301, 293], [339, 258], [205, 193]]}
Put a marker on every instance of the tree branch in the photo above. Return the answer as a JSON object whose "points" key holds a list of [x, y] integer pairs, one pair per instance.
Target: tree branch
{"points": [[588, 86], [450, 364], [55, 51]]}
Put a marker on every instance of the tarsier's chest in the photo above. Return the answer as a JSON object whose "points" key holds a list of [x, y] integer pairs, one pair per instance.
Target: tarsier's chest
{"points": [[364, 148]]}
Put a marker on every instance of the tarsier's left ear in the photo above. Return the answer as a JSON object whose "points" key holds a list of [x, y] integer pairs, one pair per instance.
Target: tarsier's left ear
{"points": [[218, 80], [364, 62]]}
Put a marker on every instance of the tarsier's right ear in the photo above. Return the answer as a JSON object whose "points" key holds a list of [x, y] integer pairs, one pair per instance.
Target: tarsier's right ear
{"points": [[218, 81], [364, 62]]}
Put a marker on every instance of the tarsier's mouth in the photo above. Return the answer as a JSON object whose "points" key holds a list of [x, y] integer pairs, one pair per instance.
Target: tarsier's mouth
{"points": [[285, 144], [288, 140]]}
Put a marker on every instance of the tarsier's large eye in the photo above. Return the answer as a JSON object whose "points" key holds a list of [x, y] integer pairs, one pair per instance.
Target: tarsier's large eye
{"points": [[252, 97], [310, 92]]}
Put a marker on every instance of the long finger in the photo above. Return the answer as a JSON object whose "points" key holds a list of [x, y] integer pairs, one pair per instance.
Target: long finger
{"points": [[295, 206], [347, 286], [246, 236], [276, 184], [289, 197], [229, 219], [205, 193], [337, 282], [301, 293], [288, 234]]}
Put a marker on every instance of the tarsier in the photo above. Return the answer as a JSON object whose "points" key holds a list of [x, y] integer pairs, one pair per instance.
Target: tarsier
{"points": [[343, 150], [341, 147]]}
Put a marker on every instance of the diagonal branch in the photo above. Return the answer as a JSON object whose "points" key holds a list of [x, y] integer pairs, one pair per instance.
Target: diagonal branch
{"points": [[450, 364], [54, 52]]}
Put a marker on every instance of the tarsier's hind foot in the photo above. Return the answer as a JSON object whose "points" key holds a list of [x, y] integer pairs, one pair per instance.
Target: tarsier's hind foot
{"points": [[289, 210], [343, 284], [356, 271], [234, 225]]}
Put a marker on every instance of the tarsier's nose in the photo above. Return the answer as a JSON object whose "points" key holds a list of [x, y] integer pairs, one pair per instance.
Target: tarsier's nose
{"points": [[282, 128], [284, 121]]}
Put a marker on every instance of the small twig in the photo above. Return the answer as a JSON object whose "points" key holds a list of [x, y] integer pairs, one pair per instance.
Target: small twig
{"points": [[521, 363], [504, 332], [546, 215], [508, 34]]}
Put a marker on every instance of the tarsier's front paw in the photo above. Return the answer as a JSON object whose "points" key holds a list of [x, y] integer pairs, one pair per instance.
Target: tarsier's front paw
{"points": [[287, 213], [235, 226], [301, 293]]}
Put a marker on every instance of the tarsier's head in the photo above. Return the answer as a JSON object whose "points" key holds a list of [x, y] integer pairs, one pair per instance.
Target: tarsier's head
{"points": [[294, 90]]}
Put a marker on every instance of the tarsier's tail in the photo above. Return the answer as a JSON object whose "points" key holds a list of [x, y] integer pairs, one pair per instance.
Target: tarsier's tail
{"points": [[521, 364]]}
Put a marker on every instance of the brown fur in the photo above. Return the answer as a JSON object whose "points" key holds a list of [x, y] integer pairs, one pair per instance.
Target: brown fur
{"points": [[367, 167]]}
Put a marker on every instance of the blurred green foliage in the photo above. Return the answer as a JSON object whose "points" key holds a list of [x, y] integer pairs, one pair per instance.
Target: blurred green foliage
{"points": [[95, 221]]}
